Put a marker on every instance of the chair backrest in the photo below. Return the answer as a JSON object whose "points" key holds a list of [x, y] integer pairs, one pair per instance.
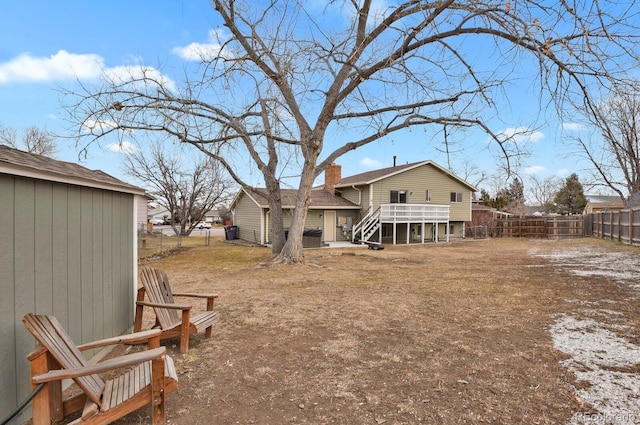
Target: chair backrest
{"points": [[157, 288], [52, 336]]}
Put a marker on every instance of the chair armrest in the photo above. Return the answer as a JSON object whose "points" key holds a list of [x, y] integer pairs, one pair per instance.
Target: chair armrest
{"points": [[160, 305], [133, 338], [107, 365], [195, 295], [192, 295]]}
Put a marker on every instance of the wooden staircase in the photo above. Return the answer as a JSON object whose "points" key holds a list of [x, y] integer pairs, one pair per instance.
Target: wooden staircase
{"points": [[367, 227]]}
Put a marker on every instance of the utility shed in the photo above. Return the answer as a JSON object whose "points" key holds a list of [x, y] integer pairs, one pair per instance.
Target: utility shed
{"points": [[68, 247]]}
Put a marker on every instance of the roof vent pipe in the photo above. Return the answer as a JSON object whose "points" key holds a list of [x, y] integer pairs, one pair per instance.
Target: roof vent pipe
{"points": [[394, 160]]}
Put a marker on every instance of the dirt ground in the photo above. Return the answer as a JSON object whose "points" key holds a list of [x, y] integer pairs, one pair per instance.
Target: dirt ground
{"points": [[473, 332]]}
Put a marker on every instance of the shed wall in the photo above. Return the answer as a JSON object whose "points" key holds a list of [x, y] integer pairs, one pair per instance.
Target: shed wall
{"points": [[68, 251]]}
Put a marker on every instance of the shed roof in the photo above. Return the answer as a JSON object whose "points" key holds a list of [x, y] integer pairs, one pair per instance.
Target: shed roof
{"points": [[375, 175], [24, 164]]}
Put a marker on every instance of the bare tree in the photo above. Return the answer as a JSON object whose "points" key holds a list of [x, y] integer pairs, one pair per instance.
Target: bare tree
{"points": [[543, 191], [187, 192], [289, 79], [615, 155], [470, 172], [34, 140]]}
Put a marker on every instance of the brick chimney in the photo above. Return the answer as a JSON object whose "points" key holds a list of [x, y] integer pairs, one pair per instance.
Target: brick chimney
{"points": [[332, 175]]}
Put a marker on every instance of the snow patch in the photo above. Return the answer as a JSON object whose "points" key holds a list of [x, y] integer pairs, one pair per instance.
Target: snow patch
{"points": [[600, 357], [604, 363]]}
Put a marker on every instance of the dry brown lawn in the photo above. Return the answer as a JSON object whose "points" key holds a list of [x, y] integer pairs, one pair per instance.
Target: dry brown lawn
{"points": [[435, 334]]}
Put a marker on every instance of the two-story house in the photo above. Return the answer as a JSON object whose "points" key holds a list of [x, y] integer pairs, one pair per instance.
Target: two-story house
{"points": [[411, 203]]}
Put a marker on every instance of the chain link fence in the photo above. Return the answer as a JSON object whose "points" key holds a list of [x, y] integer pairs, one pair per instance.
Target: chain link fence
{"points": [[154, 242]]}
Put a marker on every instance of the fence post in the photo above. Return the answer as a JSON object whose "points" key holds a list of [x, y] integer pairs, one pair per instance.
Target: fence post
{"points": [[619, 215], [632, 222]]}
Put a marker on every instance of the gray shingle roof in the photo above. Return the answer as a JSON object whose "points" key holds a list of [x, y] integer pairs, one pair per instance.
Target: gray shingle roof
{"points": [[17, 162], [604, 199], [372, 176], [320, 198]]}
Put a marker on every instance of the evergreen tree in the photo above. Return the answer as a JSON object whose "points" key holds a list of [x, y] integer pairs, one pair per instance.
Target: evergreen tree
{"points": [[485, 198], [570, 198]]}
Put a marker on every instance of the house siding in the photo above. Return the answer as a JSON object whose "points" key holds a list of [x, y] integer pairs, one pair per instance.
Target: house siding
{"points": [[67, 251], [416, 182], [342, 235], [246, 216], [359, 196], [315, 219]]}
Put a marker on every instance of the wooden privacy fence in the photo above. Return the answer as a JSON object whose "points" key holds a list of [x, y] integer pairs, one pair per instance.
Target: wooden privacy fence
{"points": [[553, 227], [621, 226]]}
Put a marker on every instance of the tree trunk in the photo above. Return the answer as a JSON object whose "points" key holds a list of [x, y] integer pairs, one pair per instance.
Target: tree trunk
{"points": [[292, 250], [274, 198], [634, 199], [277, 228]]}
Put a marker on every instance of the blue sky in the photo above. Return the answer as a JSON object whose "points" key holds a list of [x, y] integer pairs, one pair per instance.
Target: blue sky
{"points": [[47, 45]]}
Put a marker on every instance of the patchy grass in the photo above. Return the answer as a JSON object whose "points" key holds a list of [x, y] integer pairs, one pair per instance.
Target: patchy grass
{"points": [[438, 334]]}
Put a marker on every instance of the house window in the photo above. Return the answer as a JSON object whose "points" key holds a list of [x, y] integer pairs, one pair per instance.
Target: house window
{"points": [[451, 229], [428, 198], [456, 197], [398, 196]]}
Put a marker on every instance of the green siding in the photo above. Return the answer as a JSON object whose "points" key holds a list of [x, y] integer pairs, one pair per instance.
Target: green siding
{"points": [[10, 365], [66, 251], [416, 182], [315, 219], [246, 216]]}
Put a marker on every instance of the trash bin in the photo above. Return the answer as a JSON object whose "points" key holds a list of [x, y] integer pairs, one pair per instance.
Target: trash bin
{"points": [[231, 232]]}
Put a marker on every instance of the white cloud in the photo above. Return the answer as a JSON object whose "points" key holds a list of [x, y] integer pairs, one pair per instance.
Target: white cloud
{"points": [[535, 169], [370, 163], [573, 126], [204, 51], [563, 173], [520, 135], [63, 65], [123, 147], [100, 126], [139, 75]]}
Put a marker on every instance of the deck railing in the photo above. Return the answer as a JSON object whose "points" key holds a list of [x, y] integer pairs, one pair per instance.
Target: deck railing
{"points": [[415, 213]]}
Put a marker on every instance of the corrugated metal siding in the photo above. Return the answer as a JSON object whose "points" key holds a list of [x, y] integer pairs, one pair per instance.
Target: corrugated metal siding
{"points": [[66, 251], [416, 182], [247, 217]]}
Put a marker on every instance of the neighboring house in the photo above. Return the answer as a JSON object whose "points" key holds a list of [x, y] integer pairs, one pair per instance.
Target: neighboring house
{"points": [[68, 247], [484, 216], [599, 203], [212, 216], [410, 203], [157, 212]]}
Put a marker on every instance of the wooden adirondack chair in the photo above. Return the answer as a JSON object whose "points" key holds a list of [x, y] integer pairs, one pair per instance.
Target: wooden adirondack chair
{"points": [[147, 378], [175, 320]]}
